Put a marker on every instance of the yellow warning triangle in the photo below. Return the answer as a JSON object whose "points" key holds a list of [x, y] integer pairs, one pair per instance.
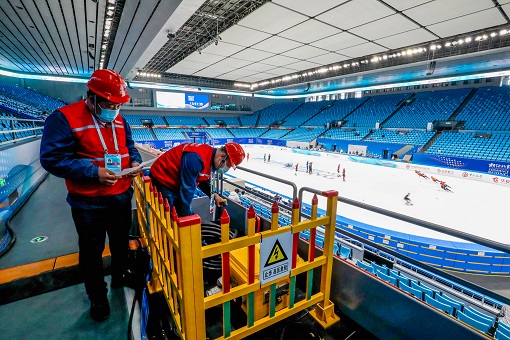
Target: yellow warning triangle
{"points": [[277, 255]]}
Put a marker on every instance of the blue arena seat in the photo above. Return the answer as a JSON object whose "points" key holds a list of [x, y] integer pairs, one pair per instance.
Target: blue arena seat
{"points": [[501, 335], [345, 252], [470, 311], [383, 270], [386, 278], [416, 293], [484, 327], [365, 266], [457, 306], [425, 291], [439, 305]]}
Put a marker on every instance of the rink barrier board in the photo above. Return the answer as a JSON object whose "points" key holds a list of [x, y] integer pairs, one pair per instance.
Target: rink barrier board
{"points": [[177, 253]]}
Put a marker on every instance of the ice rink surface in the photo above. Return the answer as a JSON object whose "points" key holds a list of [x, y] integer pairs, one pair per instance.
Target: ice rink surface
{"points": [[477, 208]]}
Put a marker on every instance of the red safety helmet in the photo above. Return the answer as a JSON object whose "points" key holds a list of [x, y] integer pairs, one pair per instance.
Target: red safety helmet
{"points": [[109, 85], [235, 153]]}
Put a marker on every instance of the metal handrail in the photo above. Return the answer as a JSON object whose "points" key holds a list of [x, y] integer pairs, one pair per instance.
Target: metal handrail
{"points": [[276, 179]]}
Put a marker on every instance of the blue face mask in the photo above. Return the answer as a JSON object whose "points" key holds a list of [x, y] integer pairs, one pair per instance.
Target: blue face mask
{"points": [[108, 115], [222, 170]]}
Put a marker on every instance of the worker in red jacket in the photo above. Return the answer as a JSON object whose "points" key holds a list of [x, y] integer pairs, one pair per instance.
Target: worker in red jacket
{"points": [[179, 171]]}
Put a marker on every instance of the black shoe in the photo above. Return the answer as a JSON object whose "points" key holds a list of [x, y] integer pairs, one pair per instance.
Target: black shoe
{"points": [[118, 281], [100, 310]]}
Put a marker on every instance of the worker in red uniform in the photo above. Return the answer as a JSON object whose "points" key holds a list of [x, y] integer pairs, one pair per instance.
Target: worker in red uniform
{"points": [[88, 143], [178, 172]]}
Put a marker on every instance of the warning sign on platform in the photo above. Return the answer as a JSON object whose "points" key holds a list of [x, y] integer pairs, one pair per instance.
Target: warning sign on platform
{"points": [[275, 257]]}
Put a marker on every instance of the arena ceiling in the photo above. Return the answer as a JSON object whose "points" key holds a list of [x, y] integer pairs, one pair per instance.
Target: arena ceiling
{"points": [[279, 46]]}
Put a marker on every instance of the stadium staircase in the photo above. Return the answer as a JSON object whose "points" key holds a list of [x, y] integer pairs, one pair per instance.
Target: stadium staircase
{"points": [[354, 110], [463, 104], [430, 142], [318, 112], [400, 106], [205, 121], [403, 150]]}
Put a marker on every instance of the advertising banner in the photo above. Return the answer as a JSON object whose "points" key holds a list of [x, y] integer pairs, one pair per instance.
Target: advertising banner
{"points": [[496, 168]]}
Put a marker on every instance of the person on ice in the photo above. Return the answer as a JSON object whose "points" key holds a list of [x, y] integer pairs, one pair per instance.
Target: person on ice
{"points": [[407, 199]]}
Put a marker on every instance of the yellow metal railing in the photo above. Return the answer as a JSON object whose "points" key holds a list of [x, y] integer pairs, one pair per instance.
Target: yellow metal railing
{"points": [[177, 253]]}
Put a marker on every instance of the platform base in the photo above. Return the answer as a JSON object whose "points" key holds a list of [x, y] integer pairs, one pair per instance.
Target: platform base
{"points": [[326, 317]]}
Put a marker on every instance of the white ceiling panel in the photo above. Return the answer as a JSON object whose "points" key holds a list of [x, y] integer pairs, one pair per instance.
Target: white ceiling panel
{"points": [[256, 77], [413, 37], [243, 36], [276, 44], [233, 63], [204, 57], [385, 27], [182, 69], [223, 49], [220, 68], [237, 74], [328, 58], [303, 65], [304, 52], [362, 50], [272, 19], [279, 60], [442, 10], [280, 71], [192, 64], [309, 31], [242, 73], [307, 7], [479, 20], [401, 5], [506, 7], [209, 72], [337, 41], [355, 13], [258, 67], [252, 54]]}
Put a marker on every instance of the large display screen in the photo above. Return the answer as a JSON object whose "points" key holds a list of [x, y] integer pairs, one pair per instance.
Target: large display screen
{"points": [[175, 100]]}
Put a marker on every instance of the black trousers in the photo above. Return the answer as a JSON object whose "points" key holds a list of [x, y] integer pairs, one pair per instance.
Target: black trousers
{"points": [[92, 226]]}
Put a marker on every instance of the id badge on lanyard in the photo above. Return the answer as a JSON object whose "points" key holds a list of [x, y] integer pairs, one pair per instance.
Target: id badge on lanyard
{"points": [[112, 162]]}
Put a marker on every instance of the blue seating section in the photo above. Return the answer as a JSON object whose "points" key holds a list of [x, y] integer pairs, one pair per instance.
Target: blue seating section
{"points": [[250, 120], [142, 134], [464, 144], [304, 112], [415, 137], [489, 109], [248, 132], [277, 111], [428, 107], [346, 133], [302, 134], [136, 120], [375, 110], [275, 133], [338, 111], [216, 132], [170, 133], [185, 121], [31, 98], [231, 121]]}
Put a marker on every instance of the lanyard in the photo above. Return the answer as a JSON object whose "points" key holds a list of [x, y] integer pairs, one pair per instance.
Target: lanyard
{"points": [[101, 136]]}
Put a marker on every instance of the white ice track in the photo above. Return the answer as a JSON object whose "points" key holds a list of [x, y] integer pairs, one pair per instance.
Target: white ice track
{"points": [[476, 208]]}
